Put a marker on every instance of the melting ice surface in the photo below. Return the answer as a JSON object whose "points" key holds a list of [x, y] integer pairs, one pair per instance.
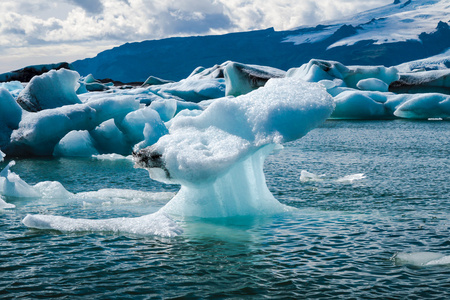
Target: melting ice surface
{"points": [[218, 156]]}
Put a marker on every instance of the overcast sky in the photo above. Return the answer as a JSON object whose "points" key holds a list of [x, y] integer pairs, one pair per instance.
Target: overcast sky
{"points": [[42, 31]]}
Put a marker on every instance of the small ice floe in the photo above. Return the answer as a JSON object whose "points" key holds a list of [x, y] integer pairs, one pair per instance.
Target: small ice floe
{"points": [[2, 155], [112, 157], [351, 178], [11, 185], [421, 259], [4, 204], [306, 176], [158, 224]]}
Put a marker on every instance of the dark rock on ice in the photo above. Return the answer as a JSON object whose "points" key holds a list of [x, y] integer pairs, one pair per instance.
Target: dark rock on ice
{"points": [[25, 74], [149, 158]]}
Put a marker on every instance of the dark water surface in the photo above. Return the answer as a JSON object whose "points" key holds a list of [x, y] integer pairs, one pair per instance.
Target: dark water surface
{"points": [[341, 243]]}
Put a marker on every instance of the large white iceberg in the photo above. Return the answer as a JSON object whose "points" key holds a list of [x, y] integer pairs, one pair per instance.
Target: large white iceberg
{"points": [[217, 156]]}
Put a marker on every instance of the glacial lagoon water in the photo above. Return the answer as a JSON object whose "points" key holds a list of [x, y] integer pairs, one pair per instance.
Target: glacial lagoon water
{"points": [[372, 222]]}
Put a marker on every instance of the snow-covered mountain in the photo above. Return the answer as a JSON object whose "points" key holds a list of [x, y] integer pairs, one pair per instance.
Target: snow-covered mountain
{"points": [[390, 35]]}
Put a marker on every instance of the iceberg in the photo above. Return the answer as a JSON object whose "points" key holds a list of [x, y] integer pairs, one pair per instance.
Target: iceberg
{"points": [[425, 106], [193, 90], [38, 135], [108, 138], [12, 86], [316, 70], [10, 116], [372, 84], [132, 126], [50, 90], [353, 104], [77, 143], [152, 80], [92, 85], [217, 156], [436, 81], [241, 79]]}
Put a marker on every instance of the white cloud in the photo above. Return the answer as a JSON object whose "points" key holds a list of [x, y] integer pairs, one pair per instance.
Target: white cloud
{"points": [[39, 25]]}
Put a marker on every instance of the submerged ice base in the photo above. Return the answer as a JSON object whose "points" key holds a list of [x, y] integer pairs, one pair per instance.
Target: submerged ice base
{"points": [[242, 191]]}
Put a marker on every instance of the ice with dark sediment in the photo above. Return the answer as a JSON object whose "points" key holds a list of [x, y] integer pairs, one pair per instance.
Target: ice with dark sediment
{"points": [[225, 146]]}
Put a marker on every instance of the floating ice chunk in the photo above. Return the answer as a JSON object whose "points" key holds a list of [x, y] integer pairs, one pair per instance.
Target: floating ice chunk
{"points": [[50, 90], [134, 123], [52, 190], [93, 85], [152, 80], [10, 116], [423, 82], [351, 178], [354, 104], [424, 106], [154, 224], [153, 131], [109, 139], [306, 176], [358, 73], [372, 84], [166, 108], [2, 156], [12, 86], [421, 259], [38, 133], [230, 128], [76, 144], [218, 155], [11, 185], [112, 157], [241, 79], [5, 205], [316, 70], [241, 191], [193, 90], [214, 72]]}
